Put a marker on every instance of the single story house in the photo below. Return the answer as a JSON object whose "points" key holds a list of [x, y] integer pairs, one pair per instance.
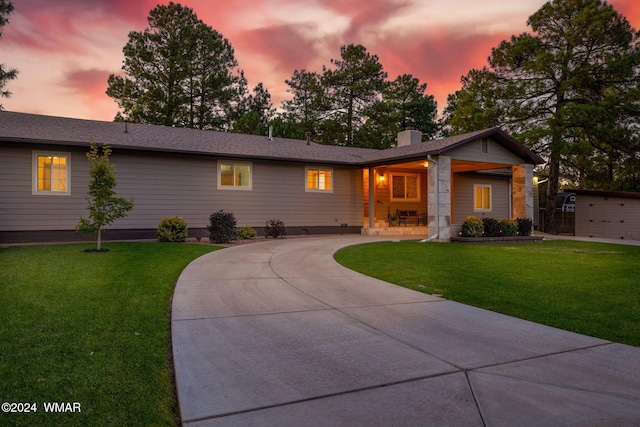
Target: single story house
{"points": [[312, 188], [607, 214]]}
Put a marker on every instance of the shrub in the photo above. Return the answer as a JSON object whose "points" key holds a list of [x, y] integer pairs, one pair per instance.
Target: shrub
{"points": [[491, 227], [246, 232], [472, 227], [222, 227], [172, 229], [275, 228], [525, 226], [508, 227]]}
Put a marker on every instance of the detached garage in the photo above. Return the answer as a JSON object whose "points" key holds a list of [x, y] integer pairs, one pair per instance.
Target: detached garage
{"points": [[607, 214]]}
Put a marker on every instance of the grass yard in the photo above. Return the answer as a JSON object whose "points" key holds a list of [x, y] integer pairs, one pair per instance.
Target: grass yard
{"points": [[91, 328], [589, 288]]}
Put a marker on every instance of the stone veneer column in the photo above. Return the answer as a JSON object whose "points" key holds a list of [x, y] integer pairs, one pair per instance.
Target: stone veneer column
{"points": [[443, 196], [522, 191], [372, 199]]}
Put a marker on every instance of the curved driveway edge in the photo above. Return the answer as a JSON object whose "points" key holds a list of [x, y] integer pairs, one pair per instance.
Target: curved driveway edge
{"points": [[277, 333]]}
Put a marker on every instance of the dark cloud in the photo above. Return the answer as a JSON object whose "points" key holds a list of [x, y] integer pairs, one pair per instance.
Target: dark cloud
{"points": [[365, 14], [89, 86], [91, 83], [287, 46]]}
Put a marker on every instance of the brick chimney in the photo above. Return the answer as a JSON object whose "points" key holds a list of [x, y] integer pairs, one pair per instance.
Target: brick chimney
{"points": [[409, 137]]}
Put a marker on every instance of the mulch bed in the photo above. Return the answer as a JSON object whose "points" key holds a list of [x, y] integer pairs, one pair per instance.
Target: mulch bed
{"points": [[510, 239]]}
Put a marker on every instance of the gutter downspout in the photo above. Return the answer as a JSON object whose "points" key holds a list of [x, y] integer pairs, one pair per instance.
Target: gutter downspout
{"points": [[437, 183]]}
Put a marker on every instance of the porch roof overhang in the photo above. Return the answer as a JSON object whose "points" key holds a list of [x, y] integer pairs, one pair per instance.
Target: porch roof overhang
{"points": [[417, 152]]}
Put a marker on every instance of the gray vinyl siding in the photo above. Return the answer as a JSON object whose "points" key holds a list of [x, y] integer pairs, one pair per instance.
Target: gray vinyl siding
{"points": [[496, 153], [463, 197], [20, 210], [185, 185]]}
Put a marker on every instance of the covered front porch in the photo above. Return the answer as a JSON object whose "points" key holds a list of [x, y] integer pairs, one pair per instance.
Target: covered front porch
{"points": [[394, 189], [481, 178]]}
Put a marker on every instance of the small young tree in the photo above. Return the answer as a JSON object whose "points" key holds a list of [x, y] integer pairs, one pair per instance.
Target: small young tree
{"points": [[104, 207]]}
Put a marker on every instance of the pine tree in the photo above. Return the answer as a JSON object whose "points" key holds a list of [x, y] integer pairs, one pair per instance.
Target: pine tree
{"points": [[178, 72], [570, 90], [6, 75]]}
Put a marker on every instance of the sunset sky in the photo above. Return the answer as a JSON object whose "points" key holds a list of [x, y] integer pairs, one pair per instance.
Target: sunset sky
{"points": [[65, 50]]}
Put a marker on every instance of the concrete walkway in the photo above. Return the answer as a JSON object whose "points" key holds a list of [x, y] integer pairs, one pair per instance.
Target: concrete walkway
{"points": [[278, 334]]}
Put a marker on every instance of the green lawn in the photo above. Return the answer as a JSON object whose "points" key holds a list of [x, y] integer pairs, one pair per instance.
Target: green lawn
{"points": [[91, 328], [590, 288]]}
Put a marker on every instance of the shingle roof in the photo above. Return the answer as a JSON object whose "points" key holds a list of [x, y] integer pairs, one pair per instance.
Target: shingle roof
{"points": [[33, 128]]}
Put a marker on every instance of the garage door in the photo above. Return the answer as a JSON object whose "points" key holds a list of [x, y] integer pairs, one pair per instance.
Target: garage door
{"points": [[606, 220]]}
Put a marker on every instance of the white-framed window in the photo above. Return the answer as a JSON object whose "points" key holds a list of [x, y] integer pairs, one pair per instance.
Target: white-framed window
{"points": [[51, 173], [482, 198], [234, 175], [318, 179], [405, 187]]}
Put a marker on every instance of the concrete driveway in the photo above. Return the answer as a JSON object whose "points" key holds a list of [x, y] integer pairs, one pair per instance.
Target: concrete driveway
{"points": [[277, 333]]}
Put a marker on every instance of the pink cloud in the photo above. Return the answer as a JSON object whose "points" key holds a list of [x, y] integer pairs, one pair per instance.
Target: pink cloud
{"points": [[269, 47], [66, 25], [438, 59]]}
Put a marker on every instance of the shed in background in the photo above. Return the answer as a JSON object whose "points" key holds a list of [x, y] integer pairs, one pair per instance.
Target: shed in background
{"points": [[607, 214]]}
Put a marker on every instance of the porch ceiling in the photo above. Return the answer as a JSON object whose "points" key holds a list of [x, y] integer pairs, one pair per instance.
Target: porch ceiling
{"points": [[418, 164], [458, 166]]}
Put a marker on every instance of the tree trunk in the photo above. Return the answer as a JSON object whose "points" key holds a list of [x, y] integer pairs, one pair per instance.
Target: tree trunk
{"points": [[99, 239]]}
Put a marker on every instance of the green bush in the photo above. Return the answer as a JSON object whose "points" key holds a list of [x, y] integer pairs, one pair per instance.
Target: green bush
{"points": [[508, 227], [472, 227], [246, 232], [525, 226], [222, 227], [491, 227], [275, 228], [172, 229]]}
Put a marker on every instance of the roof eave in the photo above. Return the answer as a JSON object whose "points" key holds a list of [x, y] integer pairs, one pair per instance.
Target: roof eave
{"points": [[504, 139], [182, 151]]}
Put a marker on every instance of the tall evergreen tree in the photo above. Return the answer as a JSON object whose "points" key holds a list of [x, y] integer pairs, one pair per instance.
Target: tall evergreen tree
{"points": [[353, 85], [178, 72], [352, 104], [569, 90], [6, 75], [475, 106], [258, 112], [307, 107], [404, 105]]}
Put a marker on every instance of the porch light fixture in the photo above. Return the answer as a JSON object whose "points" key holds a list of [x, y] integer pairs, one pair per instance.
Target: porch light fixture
{"points": [[381, 179], [537, 181], [426, 164]]}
